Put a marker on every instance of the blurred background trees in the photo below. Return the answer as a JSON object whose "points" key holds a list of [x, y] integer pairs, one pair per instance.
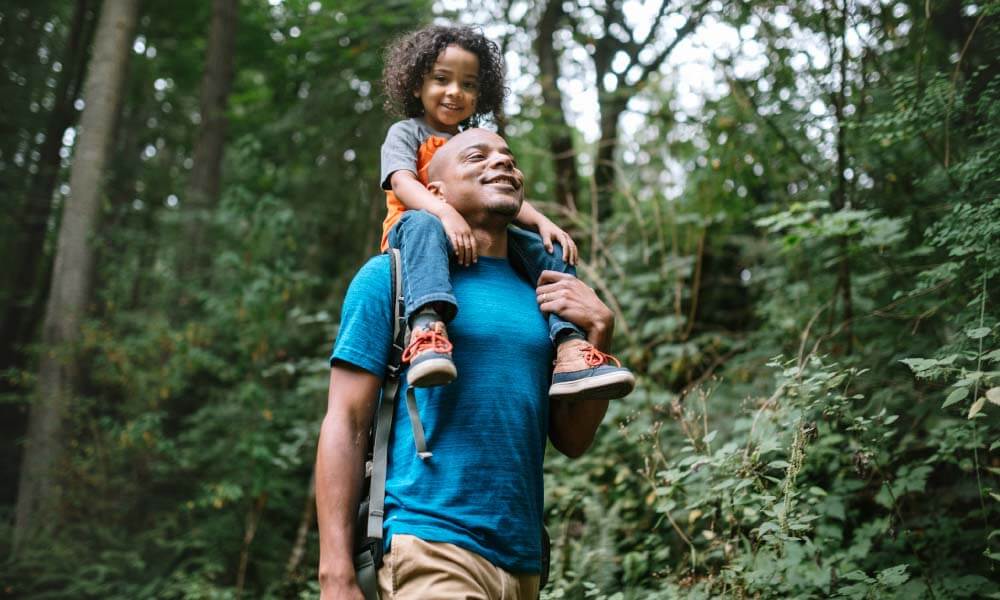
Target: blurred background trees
{"points": [[792, 207]]}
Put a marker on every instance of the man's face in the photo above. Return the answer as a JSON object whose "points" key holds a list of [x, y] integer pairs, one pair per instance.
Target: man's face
{"points": [[481, 177]]}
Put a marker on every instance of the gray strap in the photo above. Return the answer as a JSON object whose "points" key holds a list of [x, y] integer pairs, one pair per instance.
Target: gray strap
{"points": [[380, 459], [390, 392], [416, 425]]}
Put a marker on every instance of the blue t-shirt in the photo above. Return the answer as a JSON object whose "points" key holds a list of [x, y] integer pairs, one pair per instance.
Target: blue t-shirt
{"points": [[482, 488]]}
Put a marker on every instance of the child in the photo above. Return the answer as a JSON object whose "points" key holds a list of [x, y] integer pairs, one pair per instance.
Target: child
{"points": [[444, 79]]}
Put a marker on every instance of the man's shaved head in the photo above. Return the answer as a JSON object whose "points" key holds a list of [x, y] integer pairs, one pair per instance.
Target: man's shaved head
{"points": [[475, 172], [445, 155]]}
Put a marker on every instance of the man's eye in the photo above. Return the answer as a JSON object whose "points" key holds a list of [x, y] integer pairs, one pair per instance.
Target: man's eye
{"points": [[476, 156]]}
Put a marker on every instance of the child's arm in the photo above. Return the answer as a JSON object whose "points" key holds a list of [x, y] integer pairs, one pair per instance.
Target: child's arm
{"points": [[415, 196], [530, 217]]}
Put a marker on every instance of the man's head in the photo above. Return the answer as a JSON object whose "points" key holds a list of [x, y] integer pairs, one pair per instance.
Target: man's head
{"points": [[476, 173]]}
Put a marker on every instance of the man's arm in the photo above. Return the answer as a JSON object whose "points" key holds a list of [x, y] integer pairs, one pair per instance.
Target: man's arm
{"points": [[572, 425], [340, 458]]}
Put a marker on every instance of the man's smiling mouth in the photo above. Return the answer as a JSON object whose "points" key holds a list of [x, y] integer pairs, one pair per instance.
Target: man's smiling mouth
{"points": [[508, 180]]}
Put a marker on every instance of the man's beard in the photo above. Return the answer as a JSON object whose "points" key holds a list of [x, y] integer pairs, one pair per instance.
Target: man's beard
{"points": [[505, 207]]}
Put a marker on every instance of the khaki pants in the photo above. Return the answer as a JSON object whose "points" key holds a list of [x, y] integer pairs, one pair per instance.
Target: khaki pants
{"points": [[419, 570]]}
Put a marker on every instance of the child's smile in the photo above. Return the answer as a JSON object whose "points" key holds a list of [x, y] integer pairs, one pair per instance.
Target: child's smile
{"points": [[450, 89]]}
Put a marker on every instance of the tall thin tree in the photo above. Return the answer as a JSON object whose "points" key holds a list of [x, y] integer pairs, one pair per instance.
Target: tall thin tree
{"points": [[27, 275], [206, 174], [58, 376]]}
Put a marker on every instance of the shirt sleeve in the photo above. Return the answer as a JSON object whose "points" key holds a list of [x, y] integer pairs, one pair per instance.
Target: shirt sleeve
{"points": [[365, 336], [399, 151]]}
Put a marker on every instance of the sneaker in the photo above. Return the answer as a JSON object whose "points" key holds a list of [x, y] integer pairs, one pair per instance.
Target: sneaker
{"points": [[582, 372], [429, 356]]}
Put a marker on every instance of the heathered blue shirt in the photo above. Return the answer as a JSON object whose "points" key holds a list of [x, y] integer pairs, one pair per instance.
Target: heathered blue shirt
{"points": [[482, 489]]}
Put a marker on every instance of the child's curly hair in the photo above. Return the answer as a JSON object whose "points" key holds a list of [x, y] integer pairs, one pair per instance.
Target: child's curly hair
{"points": [[412, 56]]}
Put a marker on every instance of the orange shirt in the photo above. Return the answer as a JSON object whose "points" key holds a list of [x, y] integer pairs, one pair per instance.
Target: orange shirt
{"points": [[395, 208]]}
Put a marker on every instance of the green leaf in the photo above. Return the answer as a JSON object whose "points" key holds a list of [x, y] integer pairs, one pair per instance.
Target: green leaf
{"points": [[894, 576], [976, 407], [919, 365], [993, 395], [956, 395], [978, 332]]}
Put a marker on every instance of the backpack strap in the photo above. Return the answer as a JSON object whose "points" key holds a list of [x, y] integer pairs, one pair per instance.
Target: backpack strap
{"points": [[416, 425], [390, 392]]}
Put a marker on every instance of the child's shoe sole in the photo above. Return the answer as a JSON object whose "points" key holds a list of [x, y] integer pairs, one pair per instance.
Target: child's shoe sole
{"points": [[606, 386], [431, 372]]}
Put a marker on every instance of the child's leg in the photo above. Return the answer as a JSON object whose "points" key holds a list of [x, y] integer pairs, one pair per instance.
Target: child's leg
{"points": [[425, 252], [429, 300], [582, 372], [527, 252]]}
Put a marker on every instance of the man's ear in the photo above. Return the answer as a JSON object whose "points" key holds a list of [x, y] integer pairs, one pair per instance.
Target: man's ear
{"points": [[437, 188]]}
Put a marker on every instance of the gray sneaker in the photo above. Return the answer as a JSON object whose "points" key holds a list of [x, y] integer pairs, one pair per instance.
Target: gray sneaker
{"points": [[429, 356], [582, 372]]}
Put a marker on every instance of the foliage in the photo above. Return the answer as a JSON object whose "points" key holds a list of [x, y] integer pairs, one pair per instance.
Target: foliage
{"points": [[804, 269]]}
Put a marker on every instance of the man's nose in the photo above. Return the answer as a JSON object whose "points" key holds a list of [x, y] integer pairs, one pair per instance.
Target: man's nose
{"points": [[501, 160]]}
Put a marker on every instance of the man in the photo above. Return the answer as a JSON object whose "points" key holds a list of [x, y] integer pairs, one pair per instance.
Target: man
{"points": [[467, 521]]}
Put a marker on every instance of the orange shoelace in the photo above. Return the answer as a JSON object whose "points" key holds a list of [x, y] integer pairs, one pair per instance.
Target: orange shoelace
{"points": [[595, 358], [426, 339]]}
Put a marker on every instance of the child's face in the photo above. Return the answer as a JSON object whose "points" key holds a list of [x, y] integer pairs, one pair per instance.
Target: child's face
{"points": [[450, 89]]}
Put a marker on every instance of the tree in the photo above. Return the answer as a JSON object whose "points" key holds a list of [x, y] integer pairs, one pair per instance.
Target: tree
{"points": [[27, 277], [623, 64], [216, 83], [72, 271], [560, 133]]}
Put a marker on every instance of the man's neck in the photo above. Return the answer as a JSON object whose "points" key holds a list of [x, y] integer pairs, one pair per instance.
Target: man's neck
{"points": [[491, 243]]}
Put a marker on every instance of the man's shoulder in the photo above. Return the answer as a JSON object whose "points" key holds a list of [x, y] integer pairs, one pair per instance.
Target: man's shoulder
{"points": [[375, 271], [371, 278]]}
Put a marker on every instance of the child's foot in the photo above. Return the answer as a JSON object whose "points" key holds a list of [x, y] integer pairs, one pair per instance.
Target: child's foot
{"points": [[583, 372], [429, 356]]}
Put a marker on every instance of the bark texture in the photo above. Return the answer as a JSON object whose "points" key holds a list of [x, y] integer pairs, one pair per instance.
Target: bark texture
{"points": [[216, 83], [28, 273], [560, 133], [38, 490]]}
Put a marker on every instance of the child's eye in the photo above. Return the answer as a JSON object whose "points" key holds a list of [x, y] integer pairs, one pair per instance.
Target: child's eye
{"points": [[470, 85]]}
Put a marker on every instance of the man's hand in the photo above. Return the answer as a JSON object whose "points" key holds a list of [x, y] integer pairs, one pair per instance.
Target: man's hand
{"points": [[550, 233], [460, 235], [335, 589], [575, 301]]}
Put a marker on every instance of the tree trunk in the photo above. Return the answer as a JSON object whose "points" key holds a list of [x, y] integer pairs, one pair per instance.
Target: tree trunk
{"points": [[559, 132], [29, 267], [216, 83], [612, 107], [71, 275]]}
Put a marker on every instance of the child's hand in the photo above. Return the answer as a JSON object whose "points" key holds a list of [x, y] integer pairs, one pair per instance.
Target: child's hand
{"points": [[460, 235], [550, 232]]}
